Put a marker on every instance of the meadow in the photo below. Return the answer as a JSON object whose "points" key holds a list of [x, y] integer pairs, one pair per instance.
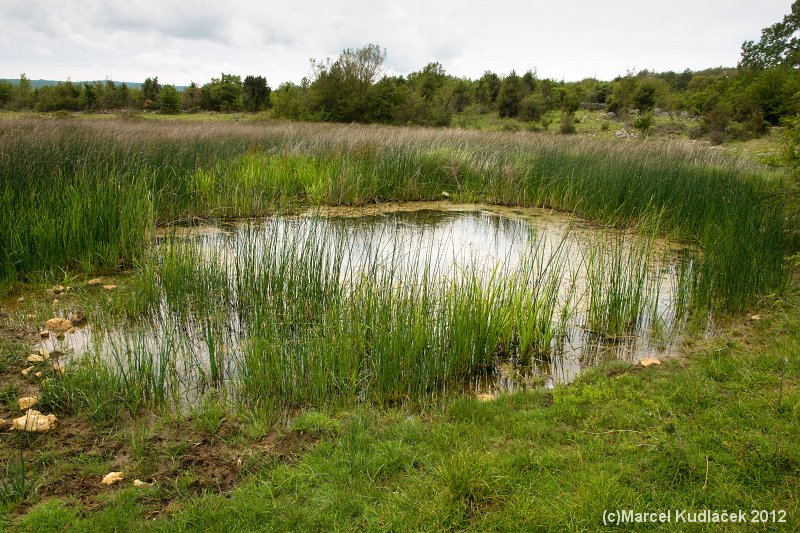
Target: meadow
{"points": [[276, 330]]}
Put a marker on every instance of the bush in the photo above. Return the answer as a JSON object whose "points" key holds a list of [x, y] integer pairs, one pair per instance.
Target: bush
{"points": [[532, 107], [644, 122], [169, 100], [567, 123]]}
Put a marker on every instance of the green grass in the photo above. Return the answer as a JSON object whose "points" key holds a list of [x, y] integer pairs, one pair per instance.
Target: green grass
{"points": [[87, 194], [712, 430]]}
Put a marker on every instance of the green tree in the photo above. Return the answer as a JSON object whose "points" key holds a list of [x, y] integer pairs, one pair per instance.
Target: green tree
{"points": [[644, 97], [255, 93], [169, 100], [530, 80], [291, 101], [6, 92], [150, 89], [569, 99], [779, 44], [428, 81], [644, 122], [191, 98], [340, 89], [511, 93], [23, 94], [487, 88], [223, 93], [532, 107], [621, 98]]}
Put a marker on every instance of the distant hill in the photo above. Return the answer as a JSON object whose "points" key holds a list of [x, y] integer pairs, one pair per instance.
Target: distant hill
{"points": [[44, 83]]}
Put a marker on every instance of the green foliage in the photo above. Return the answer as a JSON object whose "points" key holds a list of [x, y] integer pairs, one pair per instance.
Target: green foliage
{"points": [[567, 125], [291, 101], [223, 94], [169, 100], [6, 93], [192, 98], [487, 88], [569, 99], [779, 45], [790, 155], [621, 98], [340, 88], [150, 90], [255, 93], [532, 107], [644, 122], [23, 94], [644, 98], [352, 88], [511, 93]]}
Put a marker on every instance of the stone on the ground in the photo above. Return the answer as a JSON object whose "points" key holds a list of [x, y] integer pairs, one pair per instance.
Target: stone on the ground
{"points": [[34, 358], [112, 477], [95, 281], [109, 287], [139, 483], [756, 318], [27, 402], [649, 361], [486, 397], [34, 422], [59, 325], [58, 289], [27, 371]]}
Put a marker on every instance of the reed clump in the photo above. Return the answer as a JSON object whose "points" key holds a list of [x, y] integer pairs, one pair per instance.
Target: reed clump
{"points": [[88, 194]]}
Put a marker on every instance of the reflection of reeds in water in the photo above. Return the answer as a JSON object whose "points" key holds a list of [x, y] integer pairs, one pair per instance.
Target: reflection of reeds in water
{"points": [[305, 312]]}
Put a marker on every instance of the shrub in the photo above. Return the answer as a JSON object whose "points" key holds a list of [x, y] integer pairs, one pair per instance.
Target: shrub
{"points": [[644, 122], [532, 107], [169, 100], [567, 123]]}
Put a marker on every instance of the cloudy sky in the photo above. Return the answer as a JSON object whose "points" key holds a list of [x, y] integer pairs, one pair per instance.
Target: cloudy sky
{"points": [[184, 40]]}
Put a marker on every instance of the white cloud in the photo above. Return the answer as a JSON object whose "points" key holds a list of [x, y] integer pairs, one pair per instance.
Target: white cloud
{"points": [[180, 41]]}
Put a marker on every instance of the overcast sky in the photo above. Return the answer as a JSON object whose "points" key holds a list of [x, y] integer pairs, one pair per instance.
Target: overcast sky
{"points": [[184, 40]]}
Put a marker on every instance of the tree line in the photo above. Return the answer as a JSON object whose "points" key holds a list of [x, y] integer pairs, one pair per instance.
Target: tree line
{"points": [[737, 102]]}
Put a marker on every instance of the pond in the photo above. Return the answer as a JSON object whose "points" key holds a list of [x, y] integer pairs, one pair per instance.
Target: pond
{"points": [[387, 303]]}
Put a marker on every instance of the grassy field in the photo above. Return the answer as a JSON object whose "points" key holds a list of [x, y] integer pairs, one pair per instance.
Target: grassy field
{"points": [[338, 417]]}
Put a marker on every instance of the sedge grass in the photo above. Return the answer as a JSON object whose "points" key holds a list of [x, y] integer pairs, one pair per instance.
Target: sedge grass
{"points": [[300, 312], [87, 195]]}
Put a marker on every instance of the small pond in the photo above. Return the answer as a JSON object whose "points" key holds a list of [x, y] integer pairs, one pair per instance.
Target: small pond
{"points": [[404, 300]]}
